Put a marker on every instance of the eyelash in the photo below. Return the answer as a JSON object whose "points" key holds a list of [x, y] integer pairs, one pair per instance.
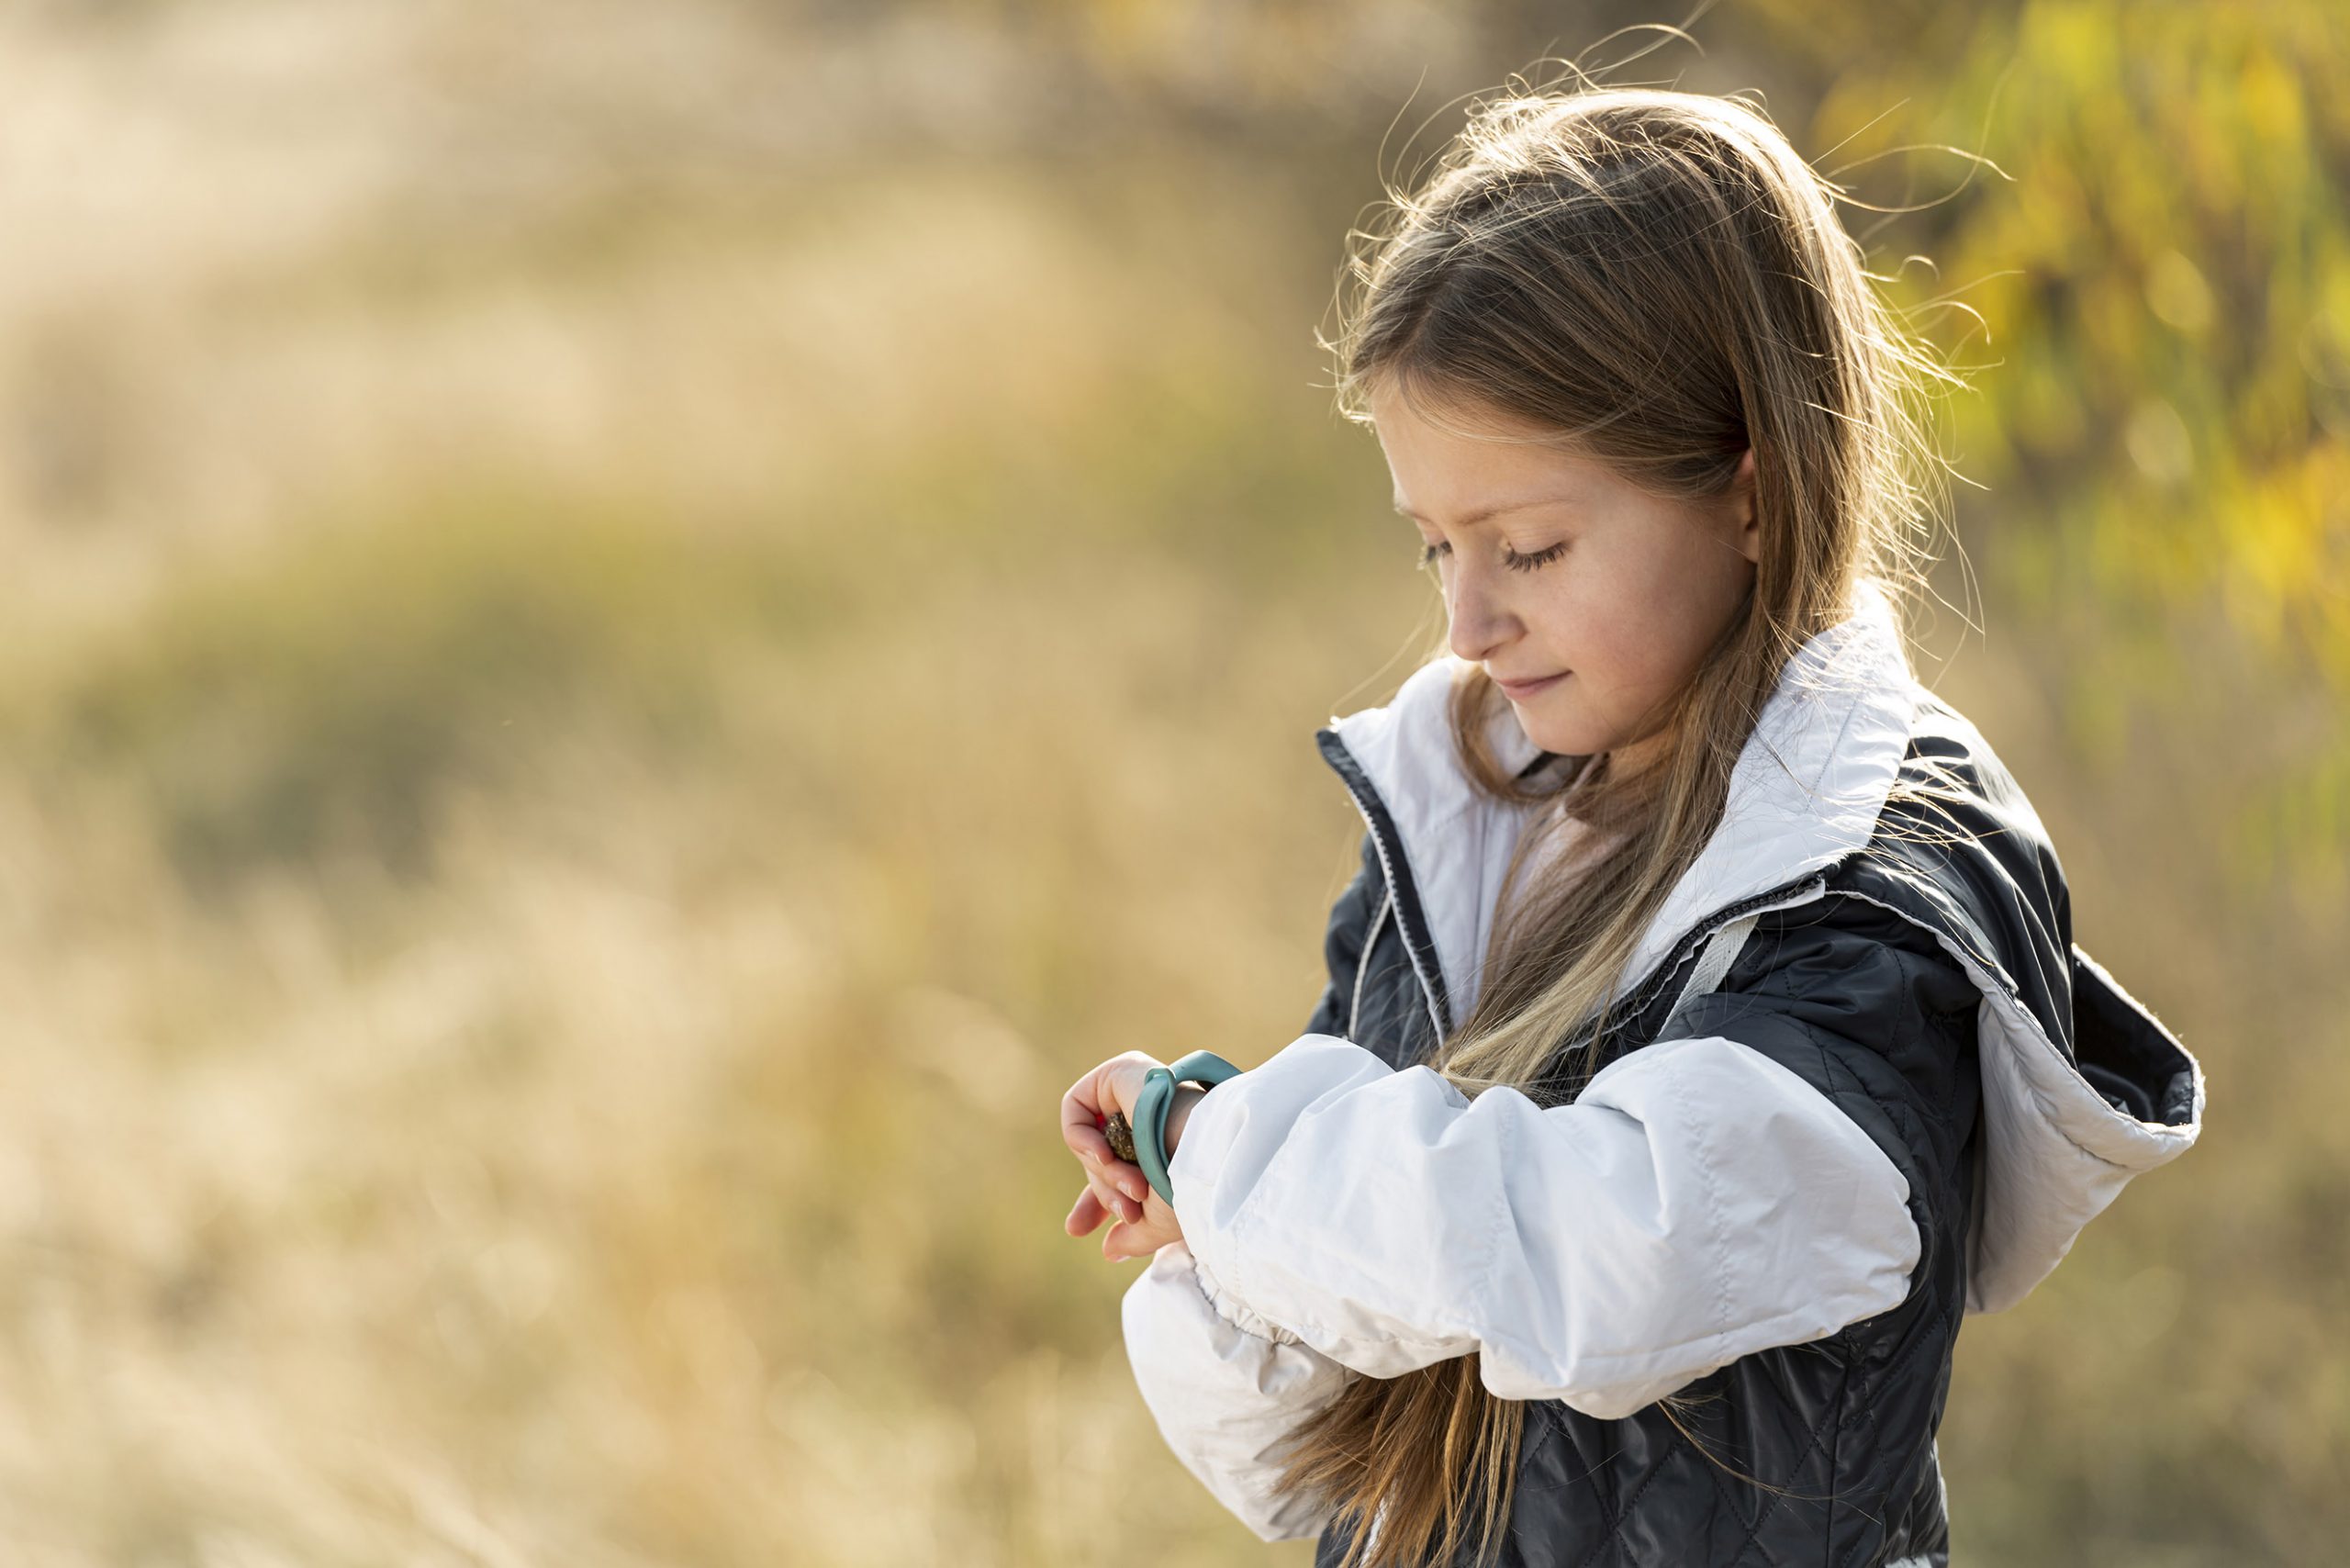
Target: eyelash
{"points": [[1510, 558]]}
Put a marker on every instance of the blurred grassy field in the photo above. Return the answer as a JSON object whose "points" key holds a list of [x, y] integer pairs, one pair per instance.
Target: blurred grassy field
{"points": [[635, 630]]}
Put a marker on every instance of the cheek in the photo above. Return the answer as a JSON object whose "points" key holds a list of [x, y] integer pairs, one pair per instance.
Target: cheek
{"points": [[1632, 637], [1592, 626], [1568, 612], [1664, 608]]}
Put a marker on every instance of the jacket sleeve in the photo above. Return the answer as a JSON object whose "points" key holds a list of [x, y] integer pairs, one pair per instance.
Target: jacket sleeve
{"points": [[1224, 1385], [1700, 1200], [1225, 1388]]}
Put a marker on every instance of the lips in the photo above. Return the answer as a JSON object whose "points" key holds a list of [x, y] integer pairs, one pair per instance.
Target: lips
{"points": [[1516, 690]]}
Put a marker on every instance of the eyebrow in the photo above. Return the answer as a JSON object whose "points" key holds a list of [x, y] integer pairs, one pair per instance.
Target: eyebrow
{"points": [[1483, 513]]}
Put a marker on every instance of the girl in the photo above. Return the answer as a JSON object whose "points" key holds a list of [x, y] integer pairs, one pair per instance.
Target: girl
{"points": [[1705, 1036]]}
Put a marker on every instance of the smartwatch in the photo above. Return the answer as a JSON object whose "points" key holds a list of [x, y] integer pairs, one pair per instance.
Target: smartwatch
{"points": [[1157, 1097]]}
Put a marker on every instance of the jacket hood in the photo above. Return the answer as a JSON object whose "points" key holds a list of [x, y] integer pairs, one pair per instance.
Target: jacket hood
{"points": [[2083, 1087]]}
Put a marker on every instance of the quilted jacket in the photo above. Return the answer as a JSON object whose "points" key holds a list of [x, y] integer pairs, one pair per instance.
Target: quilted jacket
{"points": [[1865, 1084]]}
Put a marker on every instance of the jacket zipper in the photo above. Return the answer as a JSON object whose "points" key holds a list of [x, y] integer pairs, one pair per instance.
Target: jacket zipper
{"points": [[1363, 961], [1805, 888], [1808, 887], [1400, 895]]}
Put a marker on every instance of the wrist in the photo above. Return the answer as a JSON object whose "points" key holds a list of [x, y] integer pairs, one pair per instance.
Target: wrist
{"points": [[1162, 1110], [1179, 1112]]}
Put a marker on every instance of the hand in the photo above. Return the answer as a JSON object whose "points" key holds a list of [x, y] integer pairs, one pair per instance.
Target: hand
{"points": [[1116, 1189]]}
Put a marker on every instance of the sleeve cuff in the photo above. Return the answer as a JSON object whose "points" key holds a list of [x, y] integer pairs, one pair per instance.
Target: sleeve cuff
{"points": [[1231, 1308]]}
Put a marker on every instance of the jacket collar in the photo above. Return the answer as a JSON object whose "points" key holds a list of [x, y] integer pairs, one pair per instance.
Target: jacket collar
{"points": [[1805, 794]]}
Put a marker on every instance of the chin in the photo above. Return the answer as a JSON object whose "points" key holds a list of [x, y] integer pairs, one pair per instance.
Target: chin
{"points": [[1562, 739]]}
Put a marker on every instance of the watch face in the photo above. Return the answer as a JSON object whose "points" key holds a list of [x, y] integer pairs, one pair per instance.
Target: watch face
{"points": [[1120, 1133]]}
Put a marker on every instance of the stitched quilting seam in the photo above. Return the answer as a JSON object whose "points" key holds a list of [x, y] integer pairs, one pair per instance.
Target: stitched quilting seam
{"points": [[1868, 1412], [1714, 1211], [2000, 997], [1616, 1523], [1795, 1470], [1713, 1477]]}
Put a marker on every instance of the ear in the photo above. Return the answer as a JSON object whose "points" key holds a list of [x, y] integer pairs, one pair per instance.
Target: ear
{"points": [[1748, 530]]}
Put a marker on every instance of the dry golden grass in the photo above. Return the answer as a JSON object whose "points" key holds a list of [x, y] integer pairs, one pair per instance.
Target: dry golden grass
{"points": [[582, 759]]}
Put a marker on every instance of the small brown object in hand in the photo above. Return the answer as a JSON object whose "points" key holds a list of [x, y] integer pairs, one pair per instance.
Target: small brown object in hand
{"points": [[1120, 1133]]}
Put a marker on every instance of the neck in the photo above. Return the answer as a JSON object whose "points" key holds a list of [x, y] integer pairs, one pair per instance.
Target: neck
{"points": [[1633, 760]]}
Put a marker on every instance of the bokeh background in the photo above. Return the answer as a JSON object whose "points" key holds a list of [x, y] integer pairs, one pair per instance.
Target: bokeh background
{"points": [[632, 628]]}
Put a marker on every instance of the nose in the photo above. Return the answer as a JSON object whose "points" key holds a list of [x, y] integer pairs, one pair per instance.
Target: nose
{"points": [[1481, 623]]}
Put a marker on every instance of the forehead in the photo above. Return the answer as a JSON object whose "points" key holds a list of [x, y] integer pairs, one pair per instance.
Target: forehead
{"points": [[1465, 466]]}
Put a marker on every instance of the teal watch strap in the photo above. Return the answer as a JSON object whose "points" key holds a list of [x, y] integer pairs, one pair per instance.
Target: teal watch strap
{"points": [[1157, 1098]]}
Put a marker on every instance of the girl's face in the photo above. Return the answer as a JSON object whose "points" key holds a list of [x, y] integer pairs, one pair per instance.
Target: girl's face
{"points": [[1615, 595]]}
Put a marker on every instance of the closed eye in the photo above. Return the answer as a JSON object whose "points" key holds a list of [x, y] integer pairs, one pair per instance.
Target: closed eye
{"points": [[1510, 558]]}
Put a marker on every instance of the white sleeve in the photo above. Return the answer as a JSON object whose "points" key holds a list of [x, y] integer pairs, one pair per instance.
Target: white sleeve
{"points": [[1225, 1387], [1698, 1201]]}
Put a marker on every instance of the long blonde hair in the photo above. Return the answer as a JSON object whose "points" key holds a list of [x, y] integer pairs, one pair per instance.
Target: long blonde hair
{"points": [[1656, 281]]}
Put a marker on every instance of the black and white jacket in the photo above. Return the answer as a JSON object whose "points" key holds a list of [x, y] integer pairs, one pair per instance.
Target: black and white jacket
{"points": [[1867, 1084]]}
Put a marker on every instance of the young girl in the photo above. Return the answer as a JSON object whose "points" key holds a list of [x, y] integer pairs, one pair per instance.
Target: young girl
{"points": [[1705, 1036]]}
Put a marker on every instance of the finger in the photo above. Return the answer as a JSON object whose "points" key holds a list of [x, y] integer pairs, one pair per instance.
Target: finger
{"points": [[1126, 1177], [1087, 1215], [1081, 1113], [1114, 1203], [1142, 1239], [1114, 1177]]}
